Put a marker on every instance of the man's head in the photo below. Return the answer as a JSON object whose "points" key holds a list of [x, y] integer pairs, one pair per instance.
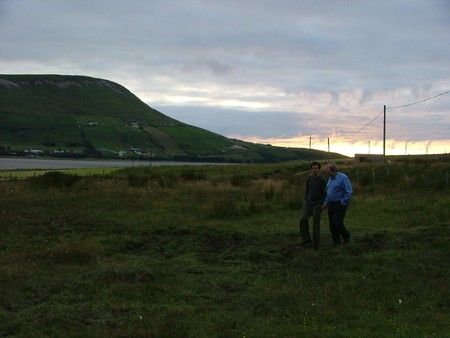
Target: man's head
{"points": [[315, 166], [332, 169]]}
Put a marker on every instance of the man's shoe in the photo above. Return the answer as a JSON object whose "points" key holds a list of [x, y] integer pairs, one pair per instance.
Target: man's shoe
{"points": [[335, 244], [305, 243]]}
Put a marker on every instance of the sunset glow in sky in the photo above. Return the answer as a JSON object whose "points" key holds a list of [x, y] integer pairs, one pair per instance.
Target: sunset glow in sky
{"points": [[263, 71]]}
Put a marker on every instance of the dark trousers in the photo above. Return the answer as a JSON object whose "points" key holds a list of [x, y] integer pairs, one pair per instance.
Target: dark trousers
{"points": [[336, 215], [315, 211]]}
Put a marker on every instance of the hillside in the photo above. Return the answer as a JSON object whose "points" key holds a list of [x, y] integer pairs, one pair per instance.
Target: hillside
{"points": [[79, 116]]}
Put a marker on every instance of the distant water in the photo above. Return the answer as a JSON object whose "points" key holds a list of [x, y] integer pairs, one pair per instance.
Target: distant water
{"points": [[11, 163]]}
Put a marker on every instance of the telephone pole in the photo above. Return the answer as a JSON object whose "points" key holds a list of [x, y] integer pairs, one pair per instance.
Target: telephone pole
{"points": [[309, 141], [369, 147], [328, 144], [384, 133]]}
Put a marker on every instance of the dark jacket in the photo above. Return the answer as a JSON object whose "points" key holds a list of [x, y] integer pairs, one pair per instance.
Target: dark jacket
{"points": [[316, 189]]}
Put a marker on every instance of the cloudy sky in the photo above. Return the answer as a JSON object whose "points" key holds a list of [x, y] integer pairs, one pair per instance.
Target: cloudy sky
{"points": [[265, 71]]}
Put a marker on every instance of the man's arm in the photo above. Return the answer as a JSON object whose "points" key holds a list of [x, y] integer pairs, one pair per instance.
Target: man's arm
{"points": [[324, 190], [325, 194], [348, 191], [307, 189]]}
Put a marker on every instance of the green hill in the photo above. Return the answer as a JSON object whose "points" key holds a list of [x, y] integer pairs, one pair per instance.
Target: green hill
{"points": [[75, 116]]}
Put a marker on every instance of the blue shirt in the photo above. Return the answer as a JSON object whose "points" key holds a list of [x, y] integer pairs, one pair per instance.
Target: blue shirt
{"points": [[339, 189]]}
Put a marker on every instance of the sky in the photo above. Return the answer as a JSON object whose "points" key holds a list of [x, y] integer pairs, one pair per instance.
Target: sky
{"points": [[275, 72]]}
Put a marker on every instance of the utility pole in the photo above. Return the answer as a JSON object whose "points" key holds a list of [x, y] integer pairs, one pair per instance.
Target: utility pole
{"points": [[406, 147], [426, 150], [369, 147], [309, 141], [384, 133], [328, 144]]}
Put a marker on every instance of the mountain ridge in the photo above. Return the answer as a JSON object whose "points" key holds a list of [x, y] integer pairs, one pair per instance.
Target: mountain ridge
{"points": [[82, 116]]}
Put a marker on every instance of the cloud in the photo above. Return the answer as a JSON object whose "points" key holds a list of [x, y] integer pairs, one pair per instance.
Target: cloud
{"points": [[253, 68], [209, 65], [235, 122], [288, 125]]}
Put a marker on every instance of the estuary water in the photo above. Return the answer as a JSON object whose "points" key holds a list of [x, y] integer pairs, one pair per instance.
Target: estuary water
{"points": [[13, 163]]}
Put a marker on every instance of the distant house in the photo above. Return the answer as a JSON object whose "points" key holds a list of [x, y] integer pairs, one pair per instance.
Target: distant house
{"points": [[360, 158], [136, 151], [34, 151], [92, 123], [136, 123], [236, 146]]}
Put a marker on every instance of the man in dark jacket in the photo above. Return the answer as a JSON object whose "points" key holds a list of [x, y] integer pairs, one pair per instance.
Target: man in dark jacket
{"points": [[315, 193]]}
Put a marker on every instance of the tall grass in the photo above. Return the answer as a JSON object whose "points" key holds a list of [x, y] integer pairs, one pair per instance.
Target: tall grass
{"points": [[215, 252]]}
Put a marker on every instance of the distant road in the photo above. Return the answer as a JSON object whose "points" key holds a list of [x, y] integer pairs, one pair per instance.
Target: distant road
{"points": [[11, 163]]}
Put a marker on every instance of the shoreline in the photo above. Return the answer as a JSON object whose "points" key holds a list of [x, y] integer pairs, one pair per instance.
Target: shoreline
{"points": [[27, 163]]}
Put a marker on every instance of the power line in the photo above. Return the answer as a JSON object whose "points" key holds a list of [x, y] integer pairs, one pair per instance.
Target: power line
{"points": [[414, 103], [367, 124], [402, 106]]}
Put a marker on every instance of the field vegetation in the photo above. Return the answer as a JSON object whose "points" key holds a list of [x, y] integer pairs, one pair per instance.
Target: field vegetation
{"points": [[213, 251], [26, 173]]}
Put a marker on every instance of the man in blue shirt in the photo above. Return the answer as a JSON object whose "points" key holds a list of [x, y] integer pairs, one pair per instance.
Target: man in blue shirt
{"points": [[339, 192]]}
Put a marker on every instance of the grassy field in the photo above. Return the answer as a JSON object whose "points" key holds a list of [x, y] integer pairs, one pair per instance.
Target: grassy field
{"points": [[214, 251]]}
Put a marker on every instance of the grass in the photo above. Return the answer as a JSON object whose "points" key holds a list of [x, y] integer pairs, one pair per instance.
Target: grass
{"points": [[213, 251], [25, 173]]}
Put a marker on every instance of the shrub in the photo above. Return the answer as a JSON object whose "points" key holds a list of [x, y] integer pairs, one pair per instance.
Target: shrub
{"points": [[191, 175], [220, 206], [54, 179], [269, 193], [240, 180], [292, 195], [136, 181]]}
